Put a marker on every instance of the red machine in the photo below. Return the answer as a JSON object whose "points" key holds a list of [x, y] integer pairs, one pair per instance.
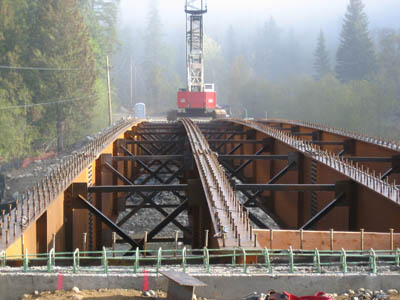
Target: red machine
{"points": [[198, 99]]}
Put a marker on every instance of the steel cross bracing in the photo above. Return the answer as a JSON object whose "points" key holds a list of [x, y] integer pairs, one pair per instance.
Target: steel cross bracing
{"points": [[339, 163], [378, 156], [230, 219]]}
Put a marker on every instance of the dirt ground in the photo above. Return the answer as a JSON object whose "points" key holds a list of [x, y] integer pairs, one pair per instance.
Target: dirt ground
{"points": [[117, 294], [105, 294]]}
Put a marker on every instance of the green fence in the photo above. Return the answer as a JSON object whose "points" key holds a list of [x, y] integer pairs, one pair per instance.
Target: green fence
{"points": [[239, 260]]}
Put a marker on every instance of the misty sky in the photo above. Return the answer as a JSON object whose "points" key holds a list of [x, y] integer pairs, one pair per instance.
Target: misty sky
{"points": [[300, 15]]}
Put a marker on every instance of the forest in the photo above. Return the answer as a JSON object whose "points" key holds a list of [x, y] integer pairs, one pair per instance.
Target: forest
{"points": [[53, 72], [53, 88], [352, 82]]}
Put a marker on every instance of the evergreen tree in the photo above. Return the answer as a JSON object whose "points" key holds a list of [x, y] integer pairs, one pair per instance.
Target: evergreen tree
{"points": [[321, 62], [355, 56], [230, 45], [267, 49], [154, 59], [61, 39]]}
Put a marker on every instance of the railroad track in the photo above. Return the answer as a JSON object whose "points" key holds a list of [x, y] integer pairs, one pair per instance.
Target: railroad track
{"points": [[230, 218]]}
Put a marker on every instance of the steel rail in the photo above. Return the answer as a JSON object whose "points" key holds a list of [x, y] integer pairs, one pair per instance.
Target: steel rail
{"points": [[230, 219]]}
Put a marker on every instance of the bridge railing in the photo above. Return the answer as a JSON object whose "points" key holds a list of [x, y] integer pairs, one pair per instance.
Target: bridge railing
{"points": [[236, 260]]}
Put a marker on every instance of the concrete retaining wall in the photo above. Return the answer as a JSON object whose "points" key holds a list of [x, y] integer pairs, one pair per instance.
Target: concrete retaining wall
{"points": [[230, 287]]}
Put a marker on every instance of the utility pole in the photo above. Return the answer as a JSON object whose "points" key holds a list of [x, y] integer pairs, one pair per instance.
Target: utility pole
{"points": [[109, 91], [132, 88]]}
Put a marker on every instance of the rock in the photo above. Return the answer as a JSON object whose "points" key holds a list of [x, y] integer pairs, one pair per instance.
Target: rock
{"points": [[381, 296], [369, 291], [26, 296], [150, 293], [376, 292], [36, 293], [75, 289], [351, 292], [392, 291], [15, 196], [361, 290], [344, 295]]}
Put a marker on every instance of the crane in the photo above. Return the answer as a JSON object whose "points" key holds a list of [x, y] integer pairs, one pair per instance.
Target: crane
{"points": [[197, 99]]}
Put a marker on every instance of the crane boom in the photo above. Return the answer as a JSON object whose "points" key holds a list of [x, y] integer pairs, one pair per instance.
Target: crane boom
{"points": [[194, 44]]}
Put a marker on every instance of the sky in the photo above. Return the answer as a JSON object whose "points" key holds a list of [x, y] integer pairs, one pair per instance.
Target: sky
{"points": [[296, 14]]}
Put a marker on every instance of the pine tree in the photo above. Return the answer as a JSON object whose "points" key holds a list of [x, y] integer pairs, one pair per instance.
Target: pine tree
{"points": [[154, 58], [321, 62], [61, 39], [355, 56], [230, 50]]}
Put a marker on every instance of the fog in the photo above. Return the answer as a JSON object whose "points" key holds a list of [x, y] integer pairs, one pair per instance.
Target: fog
{"points": [[302, 15], [263, 57]]}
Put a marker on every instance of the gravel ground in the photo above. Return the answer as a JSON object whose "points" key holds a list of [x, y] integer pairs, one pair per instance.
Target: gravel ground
{"points": [[122, 294], [103, 294]]}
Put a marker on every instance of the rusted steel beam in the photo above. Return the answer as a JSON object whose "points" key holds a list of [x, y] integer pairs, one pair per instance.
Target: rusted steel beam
{"points": [[229, 218], [152, 206], [137, 188], [143, 133], [369, 159], [213, 141], [148, 157], [108, 222], [135, 142], [323, 212], [253, 157], [247, 162], [333, 143], [286, 187]]}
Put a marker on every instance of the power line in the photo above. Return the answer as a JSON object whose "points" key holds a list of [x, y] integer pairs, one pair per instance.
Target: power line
{"points": [[48, 103], [43, 68]]}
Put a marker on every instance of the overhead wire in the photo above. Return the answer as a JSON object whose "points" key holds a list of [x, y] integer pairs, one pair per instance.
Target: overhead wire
{"points": [[48, 103], [44, 68]]}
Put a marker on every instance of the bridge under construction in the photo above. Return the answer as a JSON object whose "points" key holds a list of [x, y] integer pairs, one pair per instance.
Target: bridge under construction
{"points": [[264, 196], [323, 187]]}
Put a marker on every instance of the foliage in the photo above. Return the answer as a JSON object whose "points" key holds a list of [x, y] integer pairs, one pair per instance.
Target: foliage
{"points": [[40, 107]]}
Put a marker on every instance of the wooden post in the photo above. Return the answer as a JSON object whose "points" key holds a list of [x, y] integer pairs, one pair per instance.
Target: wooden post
{"points": [[109, 92], [132, 91], [176, 241], [84, 241], [114, 240], [54, 241], [301, 239], [145, 243], [271, 238], [391, 239], [362, 239], [331, 239], [23, 244], [206, 239]]}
